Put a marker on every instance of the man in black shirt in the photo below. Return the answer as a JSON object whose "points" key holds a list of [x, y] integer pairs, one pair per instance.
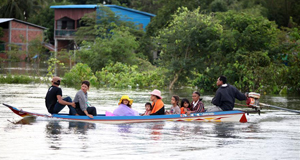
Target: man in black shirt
{"points": [[225, 96], [54, 101]]}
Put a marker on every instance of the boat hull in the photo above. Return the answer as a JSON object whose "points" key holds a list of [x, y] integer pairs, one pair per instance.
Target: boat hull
{"points": [[225, 116]]}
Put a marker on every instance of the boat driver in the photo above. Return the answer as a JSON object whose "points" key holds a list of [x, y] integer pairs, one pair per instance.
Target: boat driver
{"points": [[54, 101], [225, 96]]}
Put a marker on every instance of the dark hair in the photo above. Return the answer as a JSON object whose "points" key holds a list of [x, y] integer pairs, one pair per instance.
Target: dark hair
{"points": [[176, 98], [185, 100], [157, 97], [148, 103], [127, 104], [223, 79], [86, 83], [196, 92]]}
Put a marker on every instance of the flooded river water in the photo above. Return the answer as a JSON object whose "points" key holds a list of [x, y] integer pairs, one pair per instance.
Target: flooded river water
{"points": [[272, 135]]}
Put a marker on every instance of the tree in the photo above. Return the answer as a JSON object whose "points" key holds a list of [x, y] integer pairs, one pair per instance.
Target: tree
{"points": [[117, 45], [186, 41], [245, 49], [20, 9]]}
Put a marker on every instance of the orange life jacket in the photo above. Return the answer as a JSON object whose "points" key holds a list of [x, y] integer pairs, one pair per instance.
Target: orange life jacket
{"points": [[157, 106]]}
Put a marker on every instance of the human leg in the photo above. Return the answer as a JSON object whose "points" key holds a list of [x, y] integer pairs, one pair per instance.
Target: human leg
{"points": [[72, 110], [92, 111], [214, 109], [57, 108]]}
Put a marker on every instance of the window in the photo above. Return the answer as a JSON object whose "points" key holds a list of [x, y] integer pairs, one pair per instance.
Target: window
{"points": [[65, 23]]}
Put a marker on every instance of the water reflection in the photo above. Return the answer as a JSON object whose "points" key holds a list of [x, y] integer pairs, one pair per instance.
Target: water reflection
{"points": [[81, 127], [24, 121], [124, 128], [225, 130], [55, 132], [157, 131]]}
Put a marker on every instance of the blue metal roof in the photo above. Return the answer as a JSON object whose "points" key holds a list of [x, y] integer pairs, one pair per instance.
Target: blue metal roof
{"points": [[97, 6], [129, 9], [75, 6]]}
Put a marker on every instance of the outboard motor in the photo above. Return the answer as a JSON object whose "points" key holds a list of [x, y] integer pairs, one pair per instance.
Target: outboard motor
{"points": [[253, 99]]}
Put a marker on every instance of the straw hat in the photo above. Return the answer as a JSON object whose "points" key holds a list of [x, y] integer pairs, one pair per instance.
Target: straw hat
{"points": [[156, 93], [125, 97]]}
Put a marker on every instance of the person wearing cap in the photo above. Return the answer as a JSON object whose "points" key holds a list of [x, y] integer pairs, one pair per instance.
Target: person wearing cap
{"points": [[124, 108], [83, 107], [54, 101], [197, 105], [157, 103], [225, 96]]}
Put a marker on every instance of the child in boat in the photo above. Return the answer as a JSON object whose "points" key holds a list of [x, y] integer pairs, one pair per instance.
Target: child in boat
{"points": [[175, 105], [148, 108], [185, 106], [124, 108]]}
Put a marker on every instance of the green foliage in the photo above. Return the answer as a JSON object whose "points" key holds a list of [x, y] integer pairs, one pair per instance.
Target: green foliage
{"points": [[1, 34], [116, 46], [20, 9], [18, 79], [116, 75], [168, 8], [122, 76], [36, 47], [14, 54], [77, 74], [186, 42], [291, 48], [53, 63]]}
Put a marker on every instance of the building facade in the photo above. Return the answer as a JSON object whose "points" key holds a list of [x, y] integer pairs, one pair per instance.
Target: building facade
{"points": [[19, 33], [67, 20]]}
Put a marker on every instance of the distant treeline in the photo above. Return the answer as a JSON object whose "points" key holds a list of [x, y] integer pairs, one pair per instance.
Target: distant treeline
{"points": [[255, 43]]}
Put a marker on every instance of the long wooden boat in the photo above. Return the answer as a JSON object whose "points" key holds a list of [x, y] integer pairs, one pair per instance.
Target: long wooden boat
{"points": [[224, 116]]}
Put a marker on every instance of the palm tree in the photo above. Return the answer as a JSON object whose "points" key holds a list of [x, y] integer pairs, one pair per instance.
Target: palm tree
{"points": [[20, 9]]}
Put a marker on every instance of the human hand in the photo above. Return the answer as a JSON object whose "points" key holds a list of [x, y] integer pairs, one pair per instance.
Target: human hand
{"points": [[188, 113], [91, 116], [73, 104]]}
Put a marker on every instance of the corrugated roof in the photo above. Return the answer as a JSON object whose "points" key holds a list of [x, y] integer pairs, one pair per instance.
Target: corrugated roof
{"points": [[97, 6], [75, 6], [2, 20], [132, 10]]}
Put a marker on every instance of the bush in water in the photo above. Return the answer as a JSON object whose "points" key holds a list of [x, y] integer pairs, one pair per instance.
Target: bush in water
{"points": [[18, 79], [116, 75]]}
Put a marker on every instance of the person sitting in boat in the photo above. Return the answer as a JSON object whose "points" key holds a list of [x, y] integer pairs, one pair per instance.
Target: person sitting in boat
{"points": [[157, 103], [175, 105], [185, 106], [124, 108], [148, 108], [83, 107], [197, 105], [54, 101], [225, 96]]}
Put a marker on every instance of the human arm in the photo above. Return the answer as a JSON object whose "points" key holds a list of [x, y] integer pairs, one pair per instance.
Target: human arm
{"points": [[239, 95], [61, 101]]}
